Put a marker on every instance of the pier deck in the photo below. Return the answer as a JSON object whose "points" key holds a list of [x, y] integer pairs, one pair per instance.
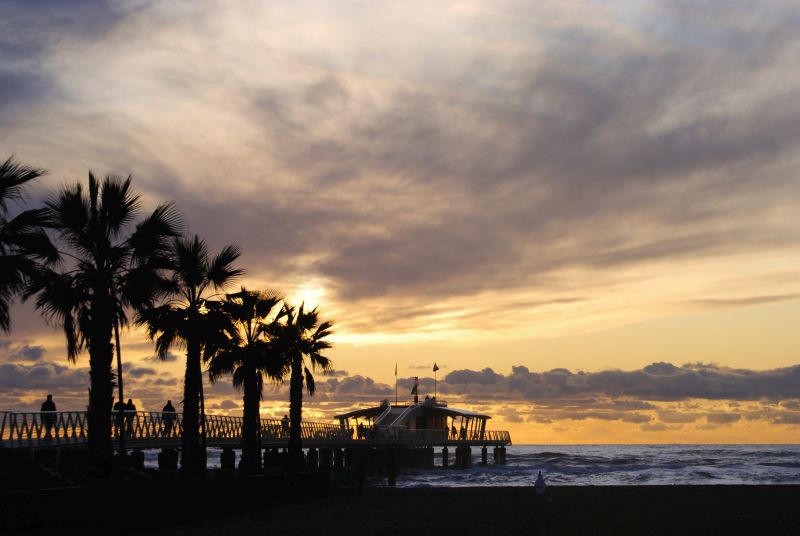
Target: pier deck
{"points": [[145, 430]]}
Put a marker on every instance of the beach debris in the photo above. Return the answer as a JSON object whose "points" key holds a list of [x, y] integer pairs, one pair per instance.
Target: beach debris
{"points": [[540, 486]]}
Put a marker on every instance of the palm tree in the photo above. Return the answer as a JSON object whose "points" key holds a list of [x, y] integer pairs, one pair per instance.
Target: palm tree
{"points": [[22, 240], [249, 357], [110, 270], [298, 336], [187, 322]]}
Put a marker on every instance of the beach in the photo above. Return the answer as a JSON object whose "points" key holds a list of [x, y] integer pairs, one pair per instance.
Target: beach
{"points": [[616, 510]]}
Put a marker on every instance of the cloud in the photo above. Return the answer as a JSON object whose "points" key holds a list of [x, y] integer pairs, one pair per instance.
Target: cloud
{"points": [[658, 427], [655, 382], [722, 418], [136, 371], [425, 366], [15, 352], [169, 357], [357, 385], [226, 405], [510, 414], [723, 303], [511, 164], [40, 376]]}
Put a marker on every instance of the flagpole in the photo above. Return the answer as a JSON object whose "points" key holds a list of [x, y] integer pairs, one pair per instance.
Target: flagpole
{"points": [[435, 379], [395, 383]]}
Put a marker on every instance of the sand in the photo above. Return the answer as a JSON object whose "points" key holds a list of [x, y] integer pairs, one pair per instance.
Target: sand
{"points": [[617, 510]]}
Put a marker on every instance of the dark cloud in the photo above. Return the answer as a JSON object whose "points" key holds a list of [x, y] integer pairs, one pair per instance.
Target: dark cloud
{"points": [[45, 376], [357, 385], [510, 414], [722, 418], [136, 371], [169, 357], [14, 352], [678, 416], [655, 382], [226, 405]]}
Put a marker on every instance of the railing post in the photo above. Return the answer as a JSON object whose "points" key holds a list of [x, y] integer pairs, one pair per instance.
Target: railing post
{"points": [[3, 429]]}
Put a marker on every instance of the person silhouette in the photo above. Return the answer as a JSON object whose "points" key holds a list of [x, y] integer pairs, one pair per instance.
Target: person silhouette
{"points": [[130, 414], [119, 416], [285, 425], [169, 417], [48, 417]]}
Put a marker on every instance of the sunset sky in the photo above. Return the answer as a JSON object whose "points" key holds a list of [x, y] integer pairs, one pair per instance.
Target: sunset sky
{"points": [[587, 213]]}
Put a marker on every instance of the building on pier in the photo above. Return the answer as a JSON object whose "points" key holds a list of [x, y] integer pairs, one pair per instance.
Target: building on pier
{"points": [[430, 415]]}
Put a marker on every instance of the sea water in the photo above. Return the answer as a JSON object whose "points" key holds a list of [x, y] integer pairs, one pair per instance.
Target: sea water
{"points": [[614, 465], [606, 465]]}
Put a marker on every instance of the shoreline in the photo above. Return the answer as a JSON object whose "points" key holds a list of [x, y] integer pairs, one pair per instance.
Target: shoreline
{"points": [[660, 509]]}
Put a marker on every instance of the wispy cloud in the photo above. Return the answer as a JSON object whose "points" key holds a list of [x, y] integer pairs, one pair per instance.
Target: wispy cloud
{"points": [[538, 154]]}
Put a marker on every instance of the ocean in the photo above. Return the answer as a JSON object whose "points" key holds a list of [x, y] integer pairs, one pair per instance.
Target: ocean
{"points": [[603, 465], [627, 465]]}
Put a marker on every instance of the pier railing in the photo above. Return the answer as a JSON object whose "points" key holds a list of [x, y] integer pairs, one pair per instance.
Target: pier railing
{"points": [[423, 438], [150, 429]]}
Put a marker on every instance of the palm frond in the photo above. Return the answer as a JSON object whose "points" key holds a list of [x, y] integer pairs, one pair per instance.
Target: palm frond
{"points": [[13, 176], [68, 211], [221, 271], [153, 234], [311, 386], [119, 204]]}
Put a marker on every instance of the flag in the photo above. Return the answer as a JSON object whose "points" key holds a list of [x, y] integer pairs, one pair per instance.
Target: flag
{"points": [[395, 368], [414, 389], [435, 367]]}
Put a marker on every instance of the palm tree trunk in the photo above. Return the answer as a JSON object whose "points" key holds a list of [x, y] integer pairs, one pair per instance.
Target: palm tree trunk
{"points": [[296, 414], [120, 385], [251, 444], [190, 438], [101, 356]]}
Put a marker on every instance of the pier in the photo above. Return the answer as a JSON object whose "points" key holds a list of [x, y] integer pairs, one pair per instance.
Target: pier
{"points": [[328, 444]]}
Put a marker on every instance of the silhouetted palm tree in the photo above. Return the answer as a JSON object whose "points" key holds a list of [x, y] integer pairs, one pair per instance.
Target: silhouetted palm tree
{"points": [[249, 357], [297, 335], [22, 240], [110, 270], [186, 321]]}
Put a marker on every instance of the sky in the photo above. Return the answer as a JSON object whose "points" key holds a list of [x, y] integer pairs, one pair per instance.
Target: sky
{"points": [[585, 213]]}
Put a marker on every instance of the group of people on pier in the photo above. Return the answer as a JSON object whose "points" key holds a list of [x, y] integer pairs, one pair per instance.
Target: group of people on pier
{"points": [[124, 417]]}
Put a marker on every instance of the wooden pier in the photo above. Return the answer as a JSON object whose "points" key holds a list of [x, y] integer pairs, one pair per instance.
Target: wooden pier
{"points": [[328, 445]]}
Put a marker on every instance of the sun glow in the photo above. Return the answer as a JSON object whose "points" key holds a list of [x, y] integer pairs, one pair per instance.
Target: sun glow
{"points": [[311, 293]]}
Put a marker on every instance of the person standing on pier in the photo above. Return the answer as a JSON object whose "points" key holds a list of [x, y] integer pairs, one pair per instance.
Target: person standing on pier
{"points": [[285, 426], [130, 413], [169, 417], [48, 417], [119, 417]]}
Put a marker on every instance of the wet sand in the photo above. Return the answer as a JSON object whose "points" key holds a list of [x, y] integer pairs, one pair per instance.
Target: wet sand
{"points": [[651, 510]]}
